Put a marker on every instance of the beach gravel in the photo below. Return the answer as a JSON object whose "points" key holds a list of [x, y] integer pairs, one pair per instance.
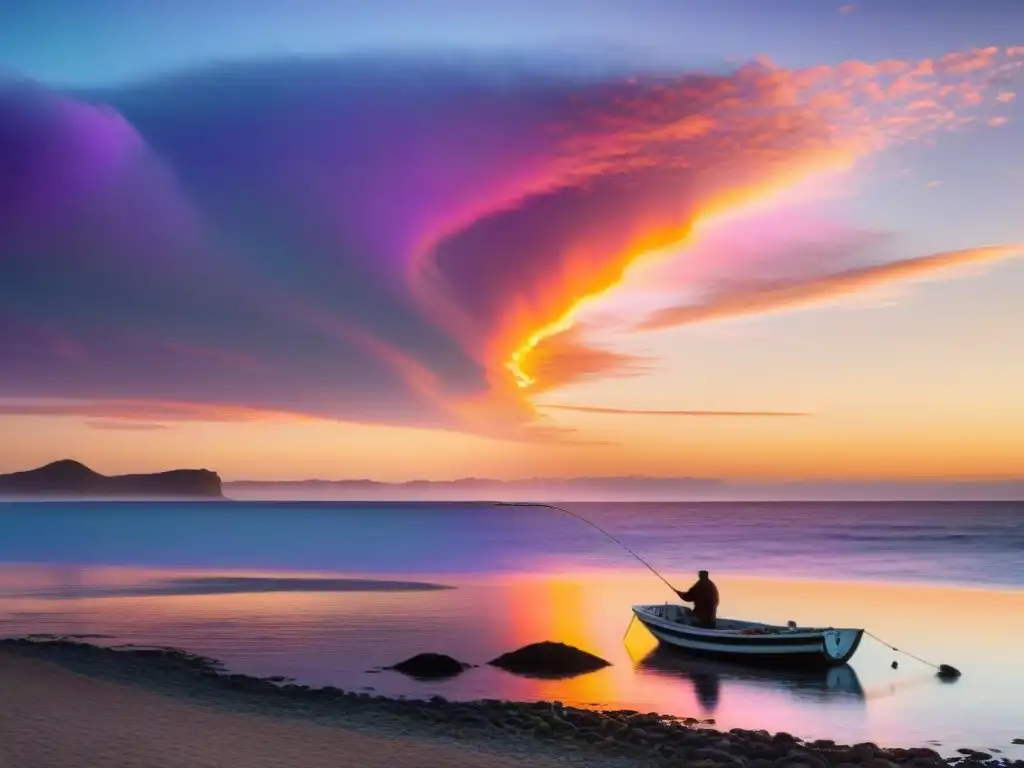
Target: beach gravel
{"points": [[114, 689]]}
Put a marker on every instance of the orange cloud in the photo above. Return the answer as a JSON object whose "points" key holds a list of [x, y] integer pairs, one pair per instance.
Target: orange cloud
{"points": [[670, 413], [763, 130], [775, 297], [565, 358]]}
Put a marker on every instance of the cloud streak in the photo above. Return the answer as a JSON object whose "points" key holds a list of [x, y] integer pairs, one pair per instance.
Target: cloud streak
{"points": [[669, 413], [784, 295], [126, 426]]}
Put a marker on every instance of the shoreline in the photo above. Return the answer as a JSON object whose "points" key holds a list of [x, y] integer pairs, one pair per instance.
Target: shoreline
{"points": [[535, 731]]}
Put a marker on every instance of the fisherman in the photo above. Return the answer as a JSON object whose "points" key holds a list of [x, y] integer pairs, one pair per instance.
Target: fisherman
{"points": [[704, 596]]}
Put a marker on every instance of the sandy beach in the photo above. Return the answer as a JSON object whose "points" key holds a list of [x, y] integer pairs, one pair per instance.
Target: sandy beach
{"points": [[67, 704], [51, 717]]}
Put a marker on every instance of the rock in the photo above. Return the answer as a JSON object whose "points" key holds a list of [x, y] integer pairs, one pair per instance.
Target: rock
{"points": [[549, 660], [428, 666], [543, 729], [923, 752], [799, 757], [863, 752], [718, 756], [879, 762], [1017, 741]]}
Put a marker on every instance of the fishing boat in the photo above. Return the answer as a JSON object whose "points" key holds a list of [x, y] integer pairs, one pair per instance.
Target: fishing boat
{"points": [[750, 641]]}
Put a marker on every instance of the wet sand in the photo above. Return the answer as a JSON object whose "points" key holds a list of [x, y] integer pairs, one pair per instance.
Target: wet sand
{"points": [[51, 717]]}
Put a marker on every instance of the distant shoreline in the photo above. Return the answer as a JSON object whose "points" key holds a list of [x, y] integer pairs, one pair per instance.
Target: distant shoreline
{"points": [[535, 731]]}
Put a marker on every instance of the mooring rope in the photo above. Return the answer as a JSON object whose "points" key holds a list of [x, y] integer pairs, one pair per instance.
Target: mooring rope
{"points": [[944, 670]]}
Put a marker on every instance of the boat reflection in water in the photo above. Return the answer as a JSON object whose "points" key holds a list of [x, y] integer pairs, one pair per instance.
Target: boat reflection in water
{"points": [[708, 676]]}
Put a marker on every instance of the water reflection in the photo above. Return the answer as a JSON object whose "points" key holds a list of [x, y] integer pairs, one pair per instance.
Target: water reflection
{"points": [[333, 636], [708, 676]]}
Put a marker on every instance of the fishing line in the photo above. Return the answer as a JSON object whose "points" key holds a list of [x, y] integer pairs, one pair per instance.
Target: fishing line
{"points": [[592, 525]]}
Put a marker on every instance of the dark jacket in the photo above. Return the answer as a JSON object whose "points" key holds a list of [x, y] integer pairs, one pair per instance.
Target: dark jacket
{"points": [[704, 596]]}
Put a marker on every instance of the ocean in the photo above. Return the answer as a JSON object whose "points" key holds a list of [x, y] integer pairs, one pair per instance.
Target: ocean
{"points": [[320, 592]]}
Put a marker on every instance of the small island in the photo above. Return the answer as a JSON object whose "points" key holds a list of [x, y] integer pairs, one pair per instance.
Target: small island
{"points": [[71, 479]]}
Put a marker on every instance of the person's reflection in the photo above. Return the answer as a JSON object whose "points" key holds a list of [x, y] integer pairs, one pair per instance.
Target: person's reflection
{"points": [[708, 687]]}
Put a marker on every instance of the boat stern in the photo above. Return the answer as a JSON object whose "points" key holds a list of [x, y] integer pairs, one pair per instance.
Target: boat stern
{"points": [[840, 644]]}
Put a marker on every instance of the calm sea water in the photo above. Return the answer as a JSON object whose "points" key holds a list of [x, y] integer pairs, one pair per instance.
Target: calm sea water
{"points": [[945, 581]]}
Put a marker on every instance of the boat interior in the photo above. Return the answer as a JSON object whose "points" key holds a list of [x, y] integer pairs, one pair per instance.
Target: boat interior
{"points": [[679, 614]]}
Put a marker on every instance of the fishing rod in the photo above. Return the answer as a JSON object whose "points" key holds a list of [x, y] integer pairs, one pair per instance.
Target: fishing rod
{"points": [[944, 671], [592, 525]]}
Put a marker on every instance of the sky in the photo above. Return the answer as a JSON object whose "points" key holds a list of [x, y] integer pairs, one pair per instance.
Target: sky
{"points": [[403, 239]]}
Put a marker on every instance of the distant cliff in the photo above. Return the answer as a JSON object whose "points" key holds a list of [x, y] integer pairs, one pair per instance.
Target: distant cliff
{"points": [[70, 478]]}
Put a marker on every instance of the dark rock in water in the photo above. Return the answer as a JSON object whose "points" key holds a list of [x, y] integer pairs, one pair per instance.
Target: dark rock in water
{"points": [[430, 666], [947, 672], [549, 660], [1017, 741]]}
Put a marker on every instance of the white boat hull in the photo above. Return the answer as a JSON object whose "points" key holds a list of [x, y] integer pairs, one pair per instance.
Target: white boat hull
{"points": [[750, 641]]}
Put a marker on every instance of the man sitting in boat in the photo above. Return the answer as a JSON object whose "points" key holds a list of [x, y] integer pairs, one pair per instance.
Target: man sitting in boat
{"points": [[704, 596]]}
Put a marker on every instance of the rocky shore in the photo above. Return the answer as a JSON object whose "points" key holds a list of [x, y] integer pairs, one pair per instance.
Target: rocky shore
{"points": [[548, 729]]}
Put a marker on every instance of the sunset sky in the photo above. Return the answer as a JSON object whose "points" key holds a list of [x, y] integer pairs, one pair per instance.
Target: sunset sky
{"points": [[404, 239]]}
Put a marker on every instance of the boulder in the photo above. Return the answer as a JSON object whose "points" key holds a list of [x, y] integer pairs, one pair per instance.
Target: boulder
{"points": [[549, 660], [430, 666]]}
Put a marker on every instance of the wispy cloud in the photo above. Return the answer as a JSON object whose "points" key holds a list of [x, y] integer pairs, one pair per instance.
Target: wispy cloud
{"points": [[111, 414], [775, 296], [669, 413], [126, 426]]}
